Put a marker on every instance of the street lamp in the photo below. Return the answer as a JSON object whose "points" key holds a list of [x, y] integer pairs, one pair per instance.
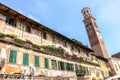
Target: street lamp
{"points": [[31, 73]]}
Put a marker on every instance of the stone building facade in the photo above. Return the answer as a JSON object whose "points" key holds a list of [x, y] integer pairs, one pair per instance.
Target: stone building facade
{"points": [[28, 47], [115, 66]]}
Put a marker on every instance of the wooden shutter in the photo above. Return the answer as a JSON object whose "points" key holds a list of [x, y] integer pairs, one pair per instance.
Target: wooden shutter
{"points": [[54, 65], [72, 67], [12, 58], [46, 63], [36, 61], [25, 59]]}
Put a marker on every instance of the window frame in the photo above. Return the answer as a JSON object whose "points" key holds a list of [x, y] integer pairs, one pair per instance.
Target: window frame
{"points": [[25, 61], [36, 61], [46, 63], [12, 56], [54, 65]]}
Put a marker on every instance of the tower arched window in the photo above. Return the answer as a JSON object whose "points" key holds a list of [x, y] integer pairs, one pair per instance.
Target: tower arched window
{"points": [[87, 12], [88, 24], [84, 12]]}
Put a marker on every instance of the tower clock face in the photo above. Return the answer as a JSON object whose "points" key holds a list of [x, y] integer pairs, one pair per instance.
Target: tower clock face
{"points": [[99, 35]]}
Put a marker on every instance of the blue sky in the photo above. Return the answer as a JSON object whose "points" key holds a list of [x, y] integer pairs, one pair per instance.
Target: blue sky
{"points": [[64, 16]]}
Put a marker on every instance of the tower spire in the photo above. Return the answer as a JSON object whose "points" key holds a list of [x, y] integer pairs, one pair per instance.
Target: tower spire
{"points": [[94, 33]]}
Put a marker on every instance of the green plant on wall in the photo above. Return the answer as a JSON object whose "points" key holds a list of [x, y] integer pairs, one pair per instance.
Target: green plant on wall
{"points": [[2, 35], [7, 35], [10, 35], [54, 49], [19, 41], [36, 46]]}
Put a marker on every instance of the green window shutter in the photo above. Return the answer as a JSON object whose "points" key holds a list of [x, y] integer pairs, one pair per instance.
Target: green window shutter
{"points": [[72, 67], [54, 64], [25, 59], [36, 61], [46, 63], [64, 66], [68, 66], [12, 58]]}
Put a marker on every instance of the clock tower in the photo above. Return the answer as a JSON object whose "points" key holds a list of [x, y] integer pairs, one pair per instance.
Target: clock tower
{"points": [[94, 34]]}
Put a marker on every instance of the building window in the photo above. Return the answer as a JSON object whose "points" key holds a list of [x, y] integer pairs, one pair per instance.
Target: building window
{"points": [[54, 39], [86, 70], [11, 21], [36, 61], [78, 50], [46, 63], [12, 57], [88, 24], [80, 67], [87, 12], [44, 35], [72, 48], [25, 59], [28, 29], [69, 67], [65, 43], [54, 64], [62, 65], [91, 32], [84, 13], [77, 67]]}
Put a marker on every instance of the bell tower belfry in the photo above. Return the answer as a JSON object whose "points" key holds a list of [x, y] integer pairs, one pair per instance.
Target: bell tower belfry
{"points": [[94, 33]]}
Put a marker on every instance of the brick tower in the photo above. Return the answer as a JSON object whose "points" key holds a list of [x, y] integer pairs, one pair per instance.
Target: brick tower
{"points": [[94, 34]]}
